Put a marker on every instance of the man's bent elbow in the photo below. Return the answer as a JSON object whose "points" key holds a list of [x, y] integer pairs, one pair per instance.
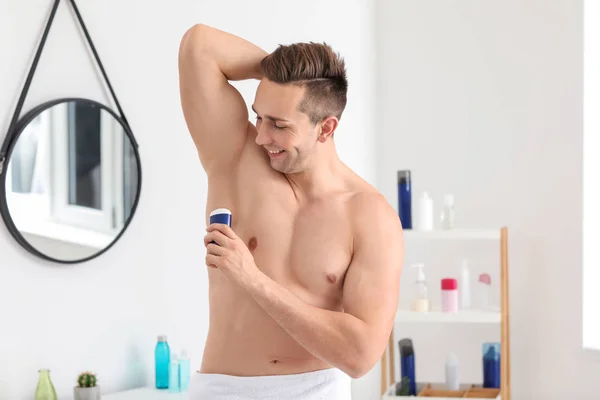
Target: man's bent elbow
{"points": [[194, 40], [358, 371], [360, 365]]}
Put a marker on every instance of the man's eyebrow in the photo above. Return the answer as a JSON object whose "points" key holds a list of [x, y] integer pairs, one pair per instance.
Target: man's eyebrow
{"points": [[273, 118]]}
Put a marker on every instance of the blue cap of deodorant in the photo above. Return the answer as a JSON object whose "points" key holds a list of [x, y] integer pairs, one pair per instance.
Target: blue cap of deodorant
{"points": [[220, 216]]}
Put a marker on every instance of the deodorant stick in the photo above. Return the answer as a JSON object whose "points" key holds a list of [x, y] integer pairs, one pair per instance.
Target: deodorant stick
{"points": [[220, 216]]}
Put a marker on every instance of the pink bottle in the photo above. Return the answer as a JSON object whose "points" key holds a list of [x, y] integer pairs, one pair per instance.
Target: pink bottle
{"points": [[449, 295]]}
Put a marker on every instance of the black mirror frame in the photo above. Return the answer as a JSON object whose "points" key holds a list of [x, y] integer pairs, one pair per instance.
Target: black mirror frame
{"points": [[7, 149], [18, 124]]}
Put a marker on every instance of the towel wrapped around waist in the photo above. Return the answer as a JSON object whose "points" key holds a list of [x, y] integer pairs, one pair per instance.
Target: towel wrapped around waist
{"points": [[327, 384]]}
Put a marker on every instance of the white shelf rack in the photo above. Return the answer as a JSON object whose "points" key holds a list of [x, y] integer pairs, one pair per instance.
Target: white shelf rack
{"points": [[454, 234], [500, 316], [461, 317]]}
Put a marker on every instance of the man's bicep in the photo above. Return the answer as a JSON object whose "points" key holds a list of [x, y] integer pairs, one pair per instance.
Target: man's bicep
{"points": [[371, 286], [214, 111]]}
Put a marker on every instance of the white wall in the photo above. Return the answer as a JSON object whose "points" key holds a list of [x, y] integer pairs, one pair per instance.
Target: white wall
{"points": [[59, 249], [104, 315], [484, 100]]}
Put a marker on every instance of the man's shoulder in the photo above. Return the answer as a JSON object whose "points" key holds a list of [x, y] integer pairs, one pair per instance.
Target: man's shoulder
{"points": [[370, 210]]}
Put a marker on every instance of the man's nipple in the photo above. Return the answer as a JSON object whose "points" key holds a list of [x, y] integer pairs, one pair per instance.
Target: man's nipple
{"points": [[252, 243]]}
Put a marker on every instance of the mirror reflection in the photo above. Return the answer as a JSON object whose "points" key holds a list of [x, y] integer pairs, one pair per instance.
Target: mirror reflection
{"points": [[71, 180]]}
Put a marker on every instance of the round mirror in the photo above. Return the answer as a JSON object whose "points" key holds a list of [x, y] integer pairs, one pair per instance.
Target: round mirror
{"points": [[71, 180]]}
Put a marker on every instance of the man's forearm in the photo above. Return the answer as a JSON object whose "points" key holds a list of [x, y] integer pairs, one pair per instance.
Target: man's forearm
{"points": [[237, 58], [337, 338]]}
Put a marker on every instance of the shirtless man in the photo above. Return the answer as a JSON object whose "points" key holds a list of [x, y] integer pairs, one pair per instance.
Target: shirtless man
{"points": [[303, 288]]}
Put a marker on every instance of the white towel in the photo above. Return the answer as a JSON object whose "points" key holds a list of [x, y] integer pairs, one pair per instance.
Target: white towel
{"points": [[327, 384]]}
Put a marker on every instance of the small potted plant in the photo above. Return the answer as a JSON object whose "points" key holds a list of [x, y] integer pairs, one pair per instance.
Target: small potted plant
{"points": [[86, 388]]}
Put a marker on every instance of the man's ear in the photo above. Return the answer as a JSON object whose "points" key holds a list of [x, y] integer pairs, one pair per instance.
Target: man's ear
{"points": [[328, 126]]}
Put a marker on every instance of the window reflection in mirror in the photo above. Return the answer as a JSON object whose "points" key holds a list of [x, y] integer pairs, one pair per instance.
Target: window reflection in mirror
{"points": [[72, 179]]}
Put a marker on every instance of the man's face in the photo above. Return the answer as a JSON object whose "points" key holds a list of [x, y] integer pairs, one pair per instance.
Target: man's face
{"points": [[286, 134]]}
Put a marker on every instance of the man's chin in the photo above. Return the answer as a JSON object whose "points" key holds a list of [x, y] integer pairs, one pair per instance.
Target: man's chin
{"points": [[279, 166], [276, 167]]}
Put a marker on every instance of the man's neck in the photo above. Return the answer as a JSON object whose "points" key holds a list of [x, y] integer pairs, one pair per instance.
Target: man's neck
{"points": [[325, 175]]}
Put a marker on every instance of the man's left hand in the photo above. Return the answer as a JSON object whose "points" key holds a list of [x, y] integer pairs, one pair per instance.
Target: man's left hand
{"points": [[230, 254]]}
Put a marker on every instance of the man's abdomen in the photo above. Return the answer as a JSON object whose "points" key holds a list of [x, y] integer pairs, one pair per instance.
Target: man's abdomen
{"points": [[244, 340]]}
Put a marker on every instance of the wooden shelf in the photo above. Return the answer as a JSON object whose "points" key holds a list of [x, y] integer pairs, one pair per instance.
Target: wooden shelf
{"points": [[437, 391], [501, 316], [467, 317], [454, 234]]}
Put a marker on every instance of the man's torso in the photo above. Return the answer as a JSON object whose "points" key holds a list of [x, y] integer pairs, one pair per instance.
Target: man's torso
{"points": [[306, 246]]}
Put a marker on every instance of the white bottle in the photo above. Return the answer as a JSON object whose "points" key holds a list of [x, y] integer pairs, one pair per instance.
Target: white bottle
{"points": [[484, 283], [464, 287], [425, 216], [421, 302], [448, 212], [452, 372]]}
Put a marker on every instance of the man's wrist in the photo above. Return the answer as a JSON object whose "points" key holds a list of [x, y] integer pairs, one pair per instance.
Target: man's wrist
{"points": [[257, 72], [256, 283]]}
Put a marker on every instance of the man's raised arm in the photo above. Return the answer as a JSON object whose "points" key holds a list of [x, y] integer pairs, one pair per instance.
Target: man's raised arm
{"points": [[215, 112]]}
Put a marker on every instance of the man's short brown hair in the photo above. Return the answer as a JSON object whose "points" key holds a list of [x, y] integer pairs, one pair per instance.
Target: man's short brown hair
{"points": [[315, 67]]}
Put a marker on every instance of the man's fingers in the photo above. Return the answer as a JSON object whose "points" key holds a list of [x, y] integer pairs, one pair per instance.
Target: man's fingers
{"points": [[212, 261], [223, 228], [215, 249], [215, 236]]}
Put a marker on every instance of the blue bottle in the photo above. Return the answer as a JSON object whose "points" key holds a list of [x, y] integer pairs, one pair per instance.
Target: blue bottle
{"points": [[405, 199], [162, 359], [491, 365], [407, 365]]}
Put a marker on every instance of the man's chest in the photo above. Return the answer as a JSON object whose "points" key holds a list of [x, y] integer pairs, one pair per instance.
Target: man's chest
{"points": [[308, 249]]}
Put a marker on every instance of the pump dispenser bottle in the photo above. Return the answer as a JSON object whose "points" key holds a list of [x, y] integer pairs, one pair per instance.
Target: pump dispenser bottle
{"points": [[421, 302]]}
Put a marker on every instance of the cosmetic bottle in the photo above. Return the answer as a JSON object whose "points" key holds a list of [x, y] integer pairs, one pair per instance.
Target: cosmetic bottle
{"points": [[491, 365], [184, 371], [452, 372], [421, 301], [174, 374], [465, 286], [407, 365], [425, 215], [449, 295], [405, 199], [447, 218], [484, 284], [162, 358]]}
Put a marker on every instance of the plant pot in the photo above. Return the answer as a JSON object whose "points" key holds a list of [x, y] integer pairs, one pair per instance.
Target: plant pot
{"points": [[87, 393]]}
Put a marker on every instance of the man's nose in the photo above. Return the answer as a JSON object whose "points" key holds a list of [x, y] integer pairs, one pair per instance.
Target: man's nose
{"points": [[261, 137]]}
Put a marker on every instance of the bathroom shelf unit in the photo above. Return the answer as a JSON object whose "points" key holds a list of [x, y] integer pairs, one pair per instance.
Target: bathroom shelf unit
{"points": [[454, 234], [500, 316], [467, 317]]}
